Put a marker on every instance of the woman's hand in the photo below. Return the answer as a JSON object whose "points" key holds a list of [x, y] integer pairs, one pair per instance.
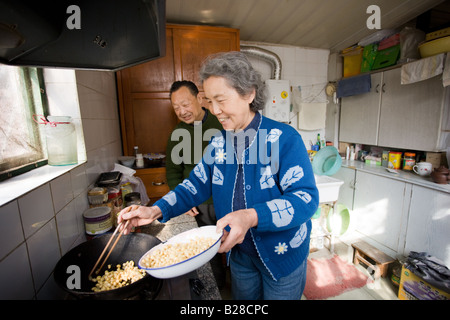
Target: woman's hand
{"points": [[138, 216], [239, 221]]}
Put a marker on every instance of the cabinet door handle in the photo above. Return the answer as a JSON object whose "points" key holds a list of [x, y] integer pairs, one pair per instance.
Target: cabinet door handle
{"points": [[158, 183], [376, 88], [353, 184], [382, 87]]}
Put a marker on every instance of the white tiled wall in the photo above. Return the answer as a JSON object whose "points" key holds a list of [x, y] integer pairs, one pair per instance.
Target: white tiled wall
{"points": [[39, 227], [301, 66]]}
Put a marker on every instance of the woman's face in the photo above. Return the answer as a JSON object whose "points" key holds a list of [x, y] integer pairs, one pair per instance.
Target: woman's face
{"points": [[232, 109]]}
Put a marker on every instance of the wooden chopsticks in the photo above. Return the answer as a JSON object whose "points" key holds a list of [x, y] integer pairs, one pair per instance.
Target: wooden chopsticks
{"points": [[106, 247]]}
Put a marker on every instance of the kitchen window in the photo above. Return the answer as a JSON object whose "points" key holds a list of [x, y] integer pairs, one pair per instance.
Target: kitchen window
{"points": [[22, 143]]}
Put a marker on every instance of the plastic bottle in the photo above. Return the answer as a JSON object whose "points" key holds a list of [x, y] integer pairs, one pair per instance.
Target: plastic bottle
{"points": [[139, 160]]}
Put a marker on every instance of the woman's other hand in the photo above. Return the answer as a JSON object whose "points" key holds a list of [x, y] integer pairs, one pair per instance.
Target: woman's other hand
{"points": [[239, 222]]}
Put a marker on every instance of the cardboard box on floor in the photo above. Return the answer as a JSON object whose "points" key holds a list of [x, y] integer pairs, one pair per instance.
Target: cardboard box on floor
{"points": [[412, 287]]}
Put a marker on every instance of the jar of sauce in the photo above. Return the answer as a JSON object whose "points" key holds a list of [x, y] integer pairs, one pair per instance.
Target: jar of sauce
{"points": [[115, 201], [126, 188], [409, 160], [133, 198]]}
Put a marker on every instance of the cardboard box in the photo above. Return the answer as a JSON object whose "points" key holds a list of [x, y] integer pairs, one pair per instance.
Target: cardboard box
{"points": [[436, 159], [412, 287]]}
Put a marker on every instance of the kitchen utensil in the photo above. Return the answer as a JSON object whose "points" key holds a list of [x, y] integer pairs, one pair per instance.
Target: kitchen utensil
{"points": [[127, 161], [439, 177], [108, 179], [190, 264], [423, 168], [339, 221], [442, 170], [327, 161], [130, 248], [106, 247], [152, 160], [437, 46]]}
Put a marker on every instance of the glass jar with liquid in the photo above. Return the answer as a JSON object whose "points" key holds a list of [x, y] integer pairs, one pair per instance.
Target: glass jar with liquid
{"points": [[61, 141]]}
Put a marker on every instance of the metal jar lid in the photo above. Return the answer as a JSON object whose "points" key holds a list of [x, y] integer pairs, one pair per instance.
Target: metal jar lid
{"points": [[132, 196], [96, 214]]}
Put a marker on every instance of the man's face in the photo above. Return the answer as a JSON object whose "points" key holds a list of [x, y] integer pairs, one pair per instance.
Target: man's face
{"points": [[187, 107]]}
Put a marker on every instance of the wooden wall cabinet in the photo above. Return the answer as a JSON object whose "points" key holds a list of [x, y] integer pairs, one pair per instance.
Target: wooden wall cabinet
{"points": [[146, 115]]}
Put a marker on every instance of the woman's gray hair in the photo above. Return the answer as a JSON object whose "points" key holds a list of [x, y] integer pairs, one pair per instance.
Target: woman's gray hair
{"points": [[239, 74]]}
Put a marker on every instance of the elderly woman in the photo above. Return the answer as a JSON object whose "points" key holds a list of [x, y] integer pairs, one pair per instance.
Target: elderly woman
{"points": [[261, 180]]}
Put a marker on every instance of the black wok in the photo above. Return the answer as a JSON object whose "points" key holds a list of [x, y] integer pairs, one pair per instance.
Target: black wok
{"points": [[129, 247]]}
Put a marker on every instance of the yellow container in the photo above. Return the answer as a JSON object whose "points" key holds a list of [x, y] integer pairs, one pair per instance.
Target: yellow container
{"points": [[413, 287], [434, 47], [352, 60], [437, 34], [395, 160]]}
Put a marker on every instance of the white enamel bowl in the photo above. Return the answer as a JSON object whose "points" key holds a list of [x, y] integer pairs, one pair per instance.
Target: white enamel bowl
{"points": [[190, 264]]}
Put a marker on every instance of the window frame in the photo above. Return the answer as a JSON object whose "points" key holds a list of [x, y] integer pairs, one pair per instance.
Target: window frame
{"points": [[33, 92]]}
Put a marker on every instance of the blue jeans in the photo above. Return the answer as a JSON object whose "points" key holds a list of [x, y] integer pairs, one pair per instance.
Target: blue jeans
{"points": [[250, 280]]}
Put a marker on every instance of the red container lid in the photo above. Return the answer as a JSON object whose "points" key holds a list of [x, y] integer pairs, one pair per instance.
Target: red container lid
{"points": [[114, 193]]}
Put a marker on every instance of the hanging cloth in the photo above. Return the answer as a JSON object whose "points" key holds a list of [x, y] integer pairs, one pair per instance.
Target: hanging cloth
{"points": [[311, 105], [354, 86], [446, 74], [422, 69]]}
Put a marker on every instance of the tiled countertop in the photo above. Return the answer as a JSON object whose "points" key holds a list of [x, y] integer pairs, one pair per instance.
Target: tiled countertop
{"points": [[164, 231]]}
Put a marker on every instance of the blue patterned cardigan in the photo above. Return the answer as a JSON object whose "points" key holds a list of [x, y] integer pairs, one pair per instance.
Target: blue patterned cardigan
{"points": [[279, 184]]}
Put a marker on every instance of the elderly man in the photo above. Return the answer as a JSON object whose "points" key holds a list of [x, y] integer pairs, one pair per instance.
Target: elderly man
{"points": [[185, 149]]}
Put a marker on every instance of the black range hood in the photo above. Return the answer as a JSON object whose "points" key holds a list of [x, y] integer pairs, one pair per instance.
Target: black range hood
{"points": [[96, 34]]}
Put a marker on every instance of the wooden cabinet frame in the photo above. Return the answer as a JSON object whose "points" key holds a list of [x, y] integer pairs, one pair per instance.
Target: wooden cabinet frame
{"points": [[146, 114]]}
